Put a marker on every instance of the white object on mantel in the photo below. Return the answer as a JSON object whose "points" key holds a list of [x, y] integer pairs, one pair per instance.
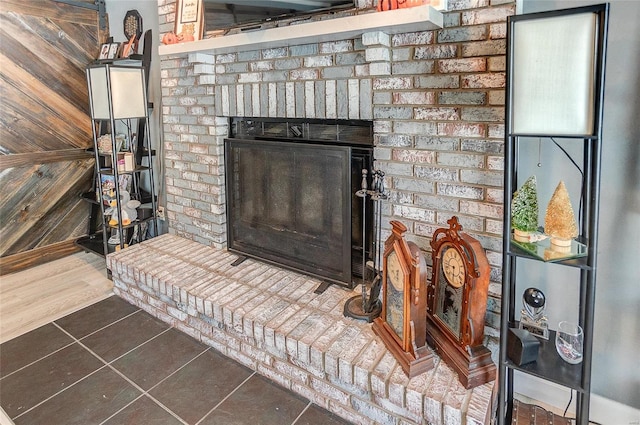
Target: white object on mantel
{"points": [[419, 18]]}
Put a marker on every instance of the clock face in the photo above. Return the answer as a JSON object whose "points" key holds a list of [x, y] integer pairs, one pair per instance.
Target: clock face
{"points": [[453, 267], [394, 314], [394, 271], [450, 289]]}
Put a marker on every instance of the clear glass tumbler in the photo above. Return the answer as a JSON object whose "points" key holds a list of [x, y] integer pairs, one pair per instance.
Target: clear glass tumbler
{"points": [[569, 339]]}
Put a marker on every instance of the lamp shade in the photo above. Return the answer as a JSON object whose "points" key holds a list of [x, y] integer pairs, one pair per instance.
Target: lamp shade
{"points": [[121, 87], [553, 75]]}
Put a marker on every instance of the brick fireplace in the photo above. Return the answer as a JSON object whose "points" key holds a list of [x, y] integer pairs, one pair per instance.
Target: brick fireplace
{"points": [[436, 100]]}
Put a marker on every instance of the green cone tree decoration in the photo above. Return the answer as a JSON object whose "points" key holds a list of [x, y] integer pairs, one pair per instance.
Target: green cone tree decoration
{"points": [[559, 221], [524, 207]]}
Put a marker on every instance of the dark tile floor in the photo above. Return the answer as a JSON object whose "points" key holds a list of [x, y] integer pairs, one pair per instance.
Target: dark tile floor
{"points": [[112, 363]]}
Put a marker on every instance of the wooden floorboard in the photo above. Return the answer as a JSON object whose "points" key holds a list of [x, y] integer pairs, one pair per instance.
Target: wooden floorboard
{"points": [[38, 295]]}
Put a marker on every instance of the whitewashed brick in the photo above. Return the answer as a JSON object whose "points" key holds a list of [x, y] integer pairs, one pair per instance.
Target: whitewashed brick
{"points": [[323, 342], [378, 54], [309, 99], [331, 100], [240, 103], [353, 355], [290, 99], [376, 38], [436, 393], [380, 68], [354, 98]]}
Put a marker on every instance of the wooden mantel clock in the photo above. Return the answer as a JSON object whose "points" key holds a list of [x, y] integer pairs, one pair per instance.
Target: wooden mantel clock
{"points": [[402, 322], [457, 300]]}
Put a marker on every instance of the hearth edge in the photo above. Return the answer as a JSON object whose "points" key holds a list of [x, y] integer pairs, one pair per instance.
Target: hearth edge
{"points": [[344, 368]]}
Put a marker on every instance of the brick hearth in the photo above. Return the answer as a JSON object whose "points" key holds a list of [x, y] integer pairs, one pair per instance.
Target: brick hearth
{"points": [[271, 320]]}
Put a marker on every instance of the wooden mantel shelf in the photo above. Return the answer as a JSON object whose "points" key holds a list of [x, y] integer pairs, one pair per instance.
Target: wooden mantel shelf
{"points": [[420, 18]]}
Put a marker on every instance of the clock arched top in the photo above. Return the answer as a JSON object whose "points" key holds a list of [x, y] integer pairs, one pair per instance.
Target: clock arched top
{"points": [[398, 229], [459, 241]]}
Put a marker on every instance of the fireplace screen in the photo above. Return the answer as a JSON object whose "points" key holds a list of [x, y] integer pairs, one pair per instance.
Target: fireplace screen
{"points": [[289, 203]]}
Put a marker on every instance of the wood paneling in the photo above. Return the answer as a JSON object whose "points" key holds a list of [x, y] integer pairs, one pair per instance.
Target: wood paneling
{"points": [[53, 10], [36, 199], [44, 124], [20, 160]]}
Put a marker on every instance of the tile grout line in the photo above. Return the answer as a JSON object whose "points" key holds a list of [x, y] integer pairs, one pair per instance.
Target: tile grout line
{"points": [[223, 400], [127, 379], [302, 413], [123, 376], [74, 340], [105, 327], [123, 407], [158, 402], [60, 392], [41, 358], [143, 392]]}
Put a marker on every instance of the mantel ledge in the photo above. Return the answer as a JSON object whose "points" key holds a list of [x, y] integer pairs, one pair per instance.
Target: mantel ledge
{"points": [[419, 18]]}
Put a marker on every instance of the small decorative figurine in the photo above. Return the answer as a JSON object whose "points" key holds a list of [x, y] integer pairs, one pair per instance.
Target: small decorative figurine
{"points": [[169, 38], [524, 210], [560, 222], [532, 315]]}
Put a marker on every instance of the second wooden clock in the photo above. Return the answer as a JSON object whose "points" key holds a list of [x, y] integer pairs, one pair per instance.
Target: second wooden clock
{"points": [[458, 303]]}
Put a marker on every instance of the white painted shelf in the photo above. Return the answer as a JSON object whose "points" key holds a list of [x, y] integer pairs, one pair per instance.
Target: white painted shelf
{"points": [[420, 18]]}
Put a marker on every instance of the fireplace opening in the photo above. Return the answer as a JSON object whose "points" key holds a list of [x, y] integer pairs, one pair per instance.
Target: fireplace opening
{"points": [[290, 194]]}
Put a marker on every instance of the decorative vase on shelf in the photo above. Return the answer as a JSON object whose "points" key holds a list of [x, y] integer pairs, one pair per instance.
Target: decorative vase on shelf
{"points": [[524, 210], [560, 222]]}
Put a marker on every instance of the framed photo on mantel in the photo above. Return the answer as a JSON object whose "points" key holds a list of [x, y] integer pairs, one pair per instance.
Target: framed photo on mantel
{"points": [[189, 20]]}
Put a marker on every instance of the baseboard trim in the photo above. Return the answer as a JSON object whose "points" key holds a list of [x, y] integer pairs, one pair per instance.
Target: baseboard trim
{"points": [[34, 257], [554, 398]]}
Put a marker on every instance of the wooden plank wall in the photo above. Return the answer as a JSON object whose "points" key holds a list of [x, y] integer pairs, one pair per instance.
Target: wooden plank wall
{"points": [[44, 126]]}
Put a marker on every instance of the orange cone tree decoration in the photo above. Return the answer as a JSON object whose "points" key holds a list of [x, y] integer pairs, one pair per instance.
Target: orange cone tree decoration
{"points": [[559, 221]]}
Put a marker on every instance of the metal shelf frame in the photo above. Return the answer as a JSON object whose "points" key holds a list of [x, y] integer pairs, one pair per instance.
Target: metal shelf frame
{"points": [[549, 366], [138, 150]]}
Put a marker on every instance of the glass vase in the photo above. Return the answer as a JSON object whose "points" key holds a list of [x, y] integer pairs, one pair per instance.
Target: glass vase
{"points": [[569, 339]]}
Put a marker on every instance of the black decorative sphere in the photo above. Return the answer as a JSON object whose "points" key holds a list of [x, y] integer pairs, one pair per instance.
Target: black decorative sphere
{"points": [[534, 297]]}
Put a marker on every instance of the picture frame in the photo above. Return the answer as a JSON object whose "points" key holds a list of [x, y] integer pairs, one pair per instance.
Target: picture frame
{"points": [[113, 51], [127, 49], [189, 22], [104, 51]]}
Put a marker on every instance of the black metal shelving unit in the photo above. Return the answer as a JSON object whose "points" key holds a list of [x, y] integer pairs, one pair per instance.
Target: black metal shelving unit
{"points": [[549, 366], [138, 137], [97, 238]]}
